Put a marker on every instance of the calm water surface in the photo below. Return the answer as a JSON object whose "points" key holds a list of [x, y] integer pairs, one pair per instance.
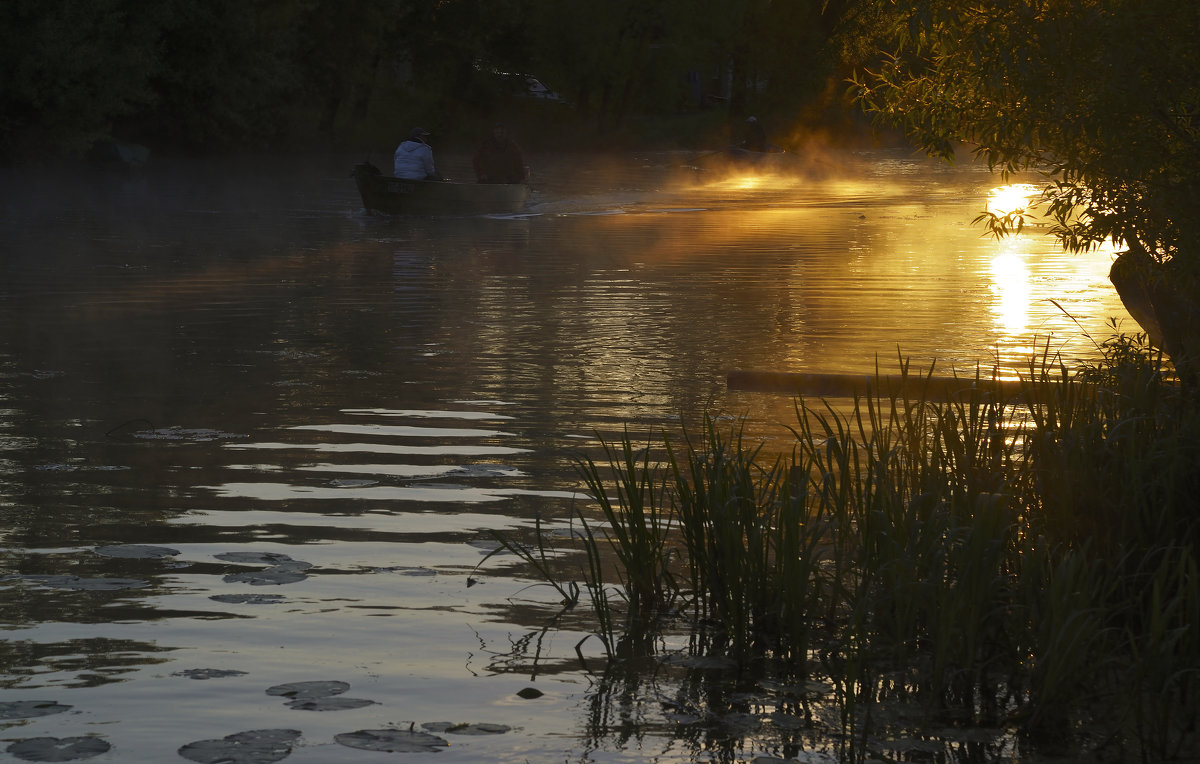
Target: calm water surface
{"points": [[316, 419]]}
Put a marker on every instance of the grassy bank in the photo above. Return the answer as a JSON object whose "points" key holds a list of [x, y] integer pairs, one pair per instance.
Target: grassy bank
{"points": [[994, 563]]}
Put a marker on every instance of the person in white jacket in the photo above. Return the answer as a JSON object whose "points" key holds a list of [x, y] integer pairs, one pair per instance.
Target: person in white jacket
{"points": [[414, 158]]}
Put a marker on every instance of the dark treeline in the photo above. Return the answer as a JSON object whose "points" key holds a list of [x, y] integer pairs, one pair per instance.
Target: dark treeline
{"points": [[266, 74]]}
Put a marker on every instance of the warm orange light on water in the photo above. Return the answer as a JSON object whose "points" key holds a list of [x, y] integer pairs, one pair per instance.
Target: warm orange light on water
{"points": [[1011, 287], [1011, 198], [747, 182]]}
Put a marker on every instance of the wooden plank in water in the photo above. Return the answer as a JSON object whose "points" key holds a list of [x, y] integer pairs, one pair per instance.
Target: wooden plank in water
{"points": [[912, 386]]}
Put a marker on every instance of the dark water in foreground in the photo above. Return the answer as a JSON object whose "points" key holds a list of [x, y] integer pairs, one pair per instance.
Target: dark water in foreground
{"points": [[317, 418]]}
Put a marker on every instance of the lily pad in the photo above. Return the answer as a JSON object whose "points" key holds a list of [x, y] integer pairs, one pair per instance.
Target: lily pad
{"points": [[60, 467], [393, 741], [135, 551], [785, 721], [249, 747], [58, 749], [487, 545], [256, 558], [248, 599], [307, 690], [28, 709], [811, 689], [737, 722], [406, 570], [801, 757], [208, 673], [268, 577], [329, 704], [681, 718], [480, 728], [201, 435], [714, 662]]}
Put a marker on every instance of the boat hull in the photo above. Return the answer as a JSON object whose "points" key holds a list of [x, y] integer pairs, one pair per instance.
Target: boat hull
{"points": [[739, 160], [397, 196]]}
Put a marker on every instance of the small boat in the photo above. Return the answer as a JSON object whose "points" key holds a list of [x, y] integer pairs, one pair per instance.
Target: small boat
{"points": [[397, 196], [110, 154], [738, 159]]}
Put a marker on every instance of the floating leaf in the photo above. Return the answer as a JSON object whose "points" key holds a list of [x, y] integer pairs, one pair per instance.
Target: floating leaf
{"points": [[488, 470], [352, 483], [208, 673], [738, 722], [800, 757], [481, 728], [810, 689], [488, 546], [786, 721], [329, 704], [255, 558], [181, 433], [248, 599], [681, 717], [268, 577], [406, 570], [249, 747], [394, 741], [135, 551], [699, 661], [58, 749], [28, 709], [305, 690]]}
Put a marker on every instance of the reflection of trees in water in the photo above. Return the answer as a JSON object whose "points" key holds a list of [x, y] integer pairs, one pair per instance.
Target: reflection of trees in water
{"points": [[699, 708], [94, 661]]}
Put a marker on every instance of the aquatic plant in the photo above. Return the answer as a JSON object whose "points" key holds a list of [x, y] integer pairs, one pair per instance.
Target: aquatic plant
{"points": [[1025, 560]]}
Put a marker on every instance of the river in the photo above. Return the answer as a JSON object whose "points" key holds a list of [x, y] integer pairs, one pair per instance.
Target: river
{"points": [[251, 435]]}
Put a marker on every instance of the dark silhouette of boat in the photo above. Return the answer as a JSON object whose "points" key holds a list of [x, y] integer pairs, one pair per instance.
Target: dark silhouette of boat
{"points": [[397, 196]]}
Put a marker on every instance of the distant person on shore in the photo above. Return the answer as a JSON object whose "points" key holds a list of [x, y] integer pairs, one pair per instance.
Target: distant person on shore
{"points": [[499, 159], [754, 138], [414, 158]]}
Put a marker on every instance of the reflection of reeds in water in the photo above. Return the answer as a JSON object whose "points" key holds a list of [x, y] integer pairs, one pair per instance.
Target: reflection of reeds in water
{"points": [[996, 564]]}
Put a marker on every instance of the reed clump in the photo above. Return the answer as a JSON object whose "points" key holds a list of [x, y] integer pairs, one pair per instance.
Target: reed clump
{"points": [[1026, 562]]}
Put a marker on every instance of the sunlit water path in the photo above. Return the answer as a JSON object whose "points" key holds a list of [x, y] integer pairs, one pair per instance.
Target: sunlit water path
{"points": [[252, 436]]}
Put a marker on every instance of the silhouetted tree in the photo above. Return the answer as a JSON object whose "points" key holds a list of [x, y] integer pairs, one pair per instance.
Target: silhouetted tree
{"points": [[1101, 96], [244, 73], [226, 72], [69, 68]]}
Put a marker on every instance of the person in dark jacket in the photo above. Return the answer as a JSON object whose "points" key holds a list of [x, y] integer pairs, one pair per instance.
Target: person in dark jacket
{"points": [[499, 159], [754, 138]]}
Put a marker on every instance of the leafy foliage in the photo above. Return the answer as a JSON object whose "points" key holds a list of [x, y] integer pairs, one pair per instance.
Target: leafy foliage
{"points": [[1100, 95], [251, 73], [997, 560], [70, 68]]}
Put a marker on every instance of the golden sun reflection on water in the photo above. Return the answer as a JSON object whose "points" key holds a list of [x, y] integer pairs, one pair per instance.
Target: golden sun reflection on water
{"points": [[1011, 286], [1042, 294], [1014, 197]]}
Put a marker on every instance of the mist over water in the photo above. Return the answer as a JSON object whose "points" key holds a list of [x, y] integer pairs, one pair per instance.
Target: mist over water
{"points": [[323, 414]]}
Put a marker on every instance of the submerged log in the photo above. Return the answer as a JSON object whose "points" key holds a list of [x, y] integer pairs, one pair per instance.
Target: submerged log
{"points": [[912, 386]]}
